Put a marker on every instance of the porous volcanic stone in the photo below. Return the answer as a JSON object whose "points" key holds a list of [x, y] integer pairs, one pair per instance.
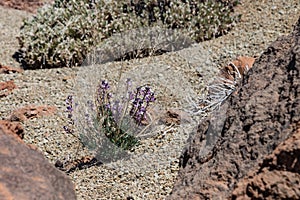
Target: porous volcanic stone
{"points": [[277, 177], [262, 114], [31, 111], [26, 175]]}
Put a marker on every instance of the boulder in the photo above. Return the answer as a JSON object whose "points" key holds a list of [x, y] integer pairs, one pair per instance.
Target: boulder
{"points": [[26, 174], [240, 155]]}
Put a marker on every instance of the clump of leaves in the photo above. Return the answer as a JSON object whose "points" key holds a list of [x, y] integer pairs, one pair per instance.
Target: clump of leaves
{"points": [[120, 122], [62, 34]]}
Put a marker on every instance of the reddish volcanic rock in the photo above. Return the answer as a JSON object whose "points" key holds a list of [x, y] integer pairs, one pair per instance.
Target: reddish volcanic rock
{"points": [[28, 5], [12, 128], [7, 69], [25, 174], [30, 112], [6, 88], [243, 154]]}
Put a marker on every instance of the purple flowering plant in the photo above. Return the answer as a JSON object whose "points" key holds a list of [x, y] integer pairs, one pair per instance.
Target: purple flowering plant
{"points": [[121, 120]]}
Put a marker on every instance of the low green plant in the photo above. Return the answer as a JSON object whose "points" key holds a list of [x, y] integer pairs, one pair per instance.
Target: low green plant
{"points": [[119, 124], [62, 34]]}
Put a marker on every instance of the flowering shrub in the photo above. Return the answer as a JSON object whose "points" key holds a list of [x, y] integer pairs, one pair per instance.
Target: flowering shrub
{"points": [[124, 121], [63, 33]]}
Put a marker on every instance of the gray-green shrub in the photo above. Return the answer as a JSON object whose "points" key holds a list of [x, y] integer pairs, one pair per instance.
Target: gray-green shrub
{"points": [[62, 34]]}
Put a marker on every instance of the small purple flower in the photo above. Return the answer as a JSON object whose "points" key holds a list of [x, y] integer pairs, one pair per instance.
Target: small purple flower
{"points": [[68, 130], [69, 115], [69, 108], [107, 106], [150, 97], [69, 102], [69, 99], [105, 85]]}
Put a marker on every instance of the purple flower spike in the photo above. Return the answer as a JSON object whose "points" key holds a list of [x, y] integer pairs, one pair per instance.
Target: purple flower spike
{"points": [[69, 103], [103, 98], [143, 97]]}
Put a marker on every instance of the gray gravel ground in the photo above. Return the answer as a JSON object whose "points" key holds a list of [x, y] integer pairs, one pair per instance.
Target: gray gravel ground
{"points": [[150, 173]]}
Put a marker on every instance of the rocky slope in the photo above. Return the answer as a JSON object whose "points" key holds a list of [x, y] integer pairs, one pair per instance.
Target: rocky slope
{"points": [[253, 152], [261, 22]]}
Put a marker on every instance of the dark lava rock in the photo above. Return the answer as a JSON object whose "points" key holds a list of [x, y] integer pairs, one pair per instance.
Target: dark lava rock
{"points": [[25, 174], [240, 152], [278, 177]]}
